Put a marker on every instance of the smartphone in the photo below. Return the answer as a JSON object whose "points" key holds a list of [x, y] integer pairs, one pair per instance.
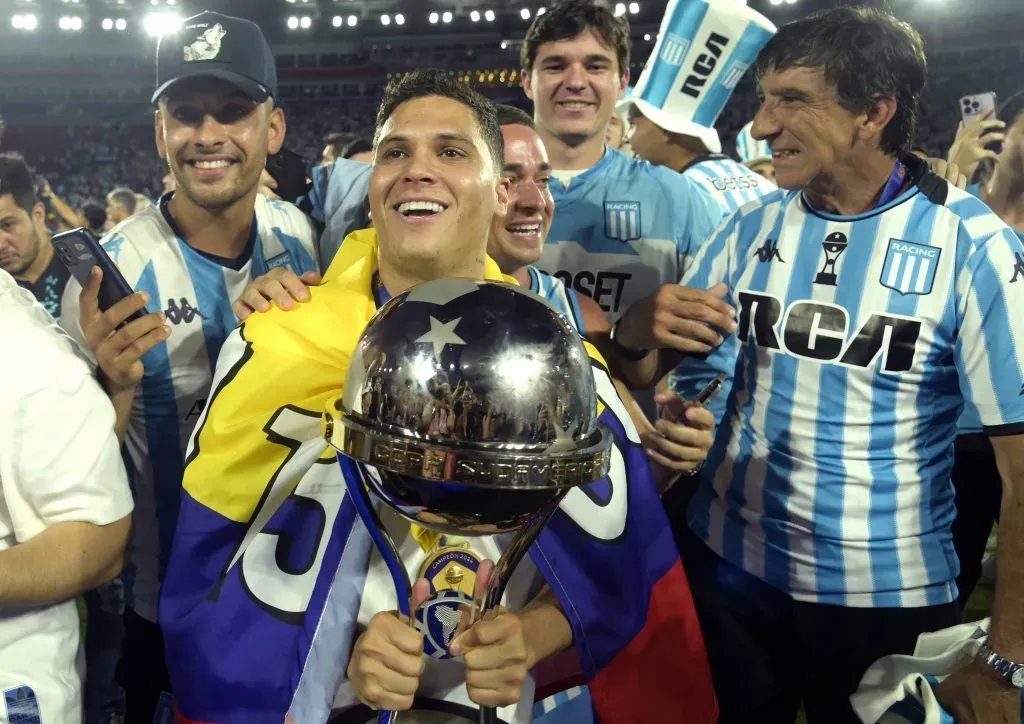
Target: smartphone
{"points": [[289, 170], [708, 393], [79, 251], [973, 106]]}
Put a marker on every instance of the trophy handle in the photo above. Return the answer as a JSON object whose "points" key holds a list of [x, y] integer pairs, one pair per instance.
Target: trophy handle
{"points": [[510, 558], [353, 475]]}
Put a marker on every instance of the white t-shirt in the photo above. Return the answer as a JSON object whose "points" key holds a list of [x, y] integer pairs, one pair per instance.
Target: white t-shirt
{"points": [[59, 461]]}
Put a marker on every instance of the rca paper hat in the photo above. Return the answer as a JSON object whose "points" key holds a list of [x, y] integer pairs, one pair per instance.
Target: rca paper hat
{"points": [[703, 49], [750, 150]]}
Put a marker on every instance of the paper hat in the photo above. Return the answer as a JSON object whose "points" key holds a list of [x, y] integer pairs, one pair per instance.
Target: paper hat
{"points": [[703, 49], [750, 150]]}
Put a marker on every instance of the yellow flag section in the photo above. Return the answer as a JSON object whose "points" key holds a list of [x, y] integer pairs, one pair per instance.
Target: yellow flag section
{"points": [[275, 376]]}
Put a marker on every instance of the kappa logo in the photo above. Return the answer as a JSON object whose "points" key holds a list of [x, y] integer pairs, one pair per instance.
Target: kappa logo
{"points": [[622, 220], [768, 251], [207, 46], [185, 313], [1018, 268]]}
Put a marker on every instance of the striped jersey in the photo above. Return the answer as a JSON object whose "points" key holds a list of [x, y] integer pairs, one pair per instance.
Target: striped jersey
{"points": [[195, 291], [729, 183], [623, 227], [562, 298], [732, 185], [860, 340]]}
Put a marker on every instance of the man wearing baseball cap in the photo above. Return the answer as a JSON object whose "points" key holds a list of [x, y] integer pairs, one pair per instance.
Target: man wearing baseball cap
{"points": [[187, 258]]}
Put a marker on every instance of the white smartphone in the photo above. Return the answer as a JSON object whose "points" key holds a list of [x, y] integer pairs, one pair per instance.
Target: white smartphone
{"points": [[975, 105]]}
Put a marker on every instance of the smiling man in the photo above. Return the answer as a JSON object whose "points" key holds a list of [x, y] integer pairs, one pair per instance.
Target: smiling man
{"points": [[187, 258], [875, 304], [623, 226], [274, 606]]}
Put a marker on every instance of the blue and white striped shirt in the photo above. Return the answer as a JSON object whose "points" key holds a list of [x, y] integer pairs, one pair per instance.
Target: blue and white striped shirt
{"points": [[731, 185], [559, 296], [195, 291], [859, 344]]}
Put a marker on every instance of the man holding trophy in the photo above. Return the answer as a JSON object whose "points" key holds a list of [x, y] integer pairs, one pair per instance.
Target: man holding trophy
{"points": [[275, 607]]}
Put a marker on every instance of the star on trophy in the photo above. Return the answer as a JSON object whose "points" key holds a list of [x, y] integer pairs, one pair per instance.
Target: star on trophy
{"points": [[470, 409]]}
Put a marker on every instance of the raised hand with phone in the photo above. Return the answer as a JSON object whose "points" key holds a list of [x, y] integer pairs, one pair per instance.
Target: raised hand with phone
{"points": [[977, 132], [119, 336]]}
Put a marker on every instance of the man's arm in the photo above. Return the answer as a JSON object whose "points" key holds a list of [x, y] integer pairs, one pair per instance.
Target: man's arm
{"points": [[1006, 636], [546, 630], [62, 561], [60, 207], [64, 484]]}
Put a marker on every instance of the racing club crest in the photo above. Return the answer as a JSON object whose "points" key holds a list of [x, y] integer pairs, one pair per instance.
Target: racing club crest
{"points": [[910, 268], [622, 220]]}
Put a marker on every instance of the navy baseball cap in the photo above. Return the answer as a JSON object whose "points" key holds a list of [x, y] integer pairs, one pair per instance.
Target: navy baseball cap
{"points": [[211, 45]]}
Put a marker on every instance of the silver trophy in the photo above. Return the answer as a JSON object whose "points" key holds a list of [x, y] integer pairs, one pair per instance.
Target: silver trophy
{"points": [[470, 409]]}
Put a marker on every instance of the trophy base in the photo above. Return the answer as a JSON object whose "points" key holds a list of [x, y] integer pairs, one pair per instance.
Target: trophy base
{"points": [[424, 711]]}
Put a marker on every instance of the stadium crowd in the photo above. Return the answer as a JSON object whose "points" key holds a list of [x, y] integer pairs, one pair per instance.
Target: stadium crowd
{"points": [[798, 286]]}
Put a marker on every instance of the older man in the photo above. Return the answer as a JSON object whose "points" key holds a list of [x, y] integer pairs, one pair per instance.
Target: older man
{"points": [[254, 636], [873, 304]]}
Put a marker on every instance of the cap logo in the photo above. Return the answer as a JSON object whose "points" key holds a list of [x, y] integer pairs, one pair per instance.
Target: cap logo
{"points": [[206, 46]]}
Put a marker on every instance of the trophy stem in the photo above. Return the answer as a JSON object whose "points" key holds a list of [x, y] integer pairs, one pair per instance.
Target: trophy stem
{"points": [[510, 558], [353, 474]]}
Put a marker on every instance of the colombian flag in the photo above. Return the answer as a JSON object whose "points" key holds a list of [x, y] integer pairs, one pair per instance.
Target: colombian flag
{"points": [[269, 559]]}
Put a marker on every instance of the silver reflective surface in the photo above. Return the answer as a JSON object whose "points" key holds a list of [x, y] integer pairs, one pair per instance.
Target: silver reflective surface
{"points": [[476, 404]]}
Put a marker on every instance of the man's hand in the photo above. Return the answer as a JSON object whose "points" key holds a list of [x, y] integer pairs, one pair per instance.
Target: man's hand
{"points": [[682, 436], [268, 185], [968, 149], [680, 318], [387, 659], [119, 351], [977, 695], [280, 286], [949, 171], [497, 659]]}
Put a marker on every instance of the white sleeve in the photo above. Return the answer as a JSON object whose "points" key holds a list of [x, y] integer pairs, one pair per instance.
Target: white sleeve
{"points": [[59, 450]]}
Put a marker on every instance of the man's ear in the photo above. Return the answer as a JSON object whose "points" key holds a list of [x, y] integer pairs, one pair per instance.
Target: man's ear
{"points": [[878, 116], [38, 213], [527, 82], [277, 128], [158, 133], [504, 190]]}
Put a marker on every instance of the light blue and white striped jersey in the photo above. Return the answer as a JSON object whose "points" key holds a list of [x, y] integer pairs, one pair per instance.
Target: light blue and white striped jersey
{"points": [[195, 291], [859, 343], [623, 227], [559, 296], [731, 185]]}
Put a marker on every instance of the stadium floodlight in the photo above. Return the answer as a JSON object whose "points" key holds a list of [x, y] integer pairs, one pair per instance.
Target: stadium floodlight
{"points": [[385, 20], [446, 17], [647, 37], [305, 22], [791, 2], [475, 16], [337, 21], [161, 23], [489, 16], [774, 2], [28, 21], [525, 13], [541, 11], [399, 19], [121, 24], [293, 22], [504, 44], [70, 22], [352, 20], [634, 8], [108, 24], [433, 18], [620, 9]]}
